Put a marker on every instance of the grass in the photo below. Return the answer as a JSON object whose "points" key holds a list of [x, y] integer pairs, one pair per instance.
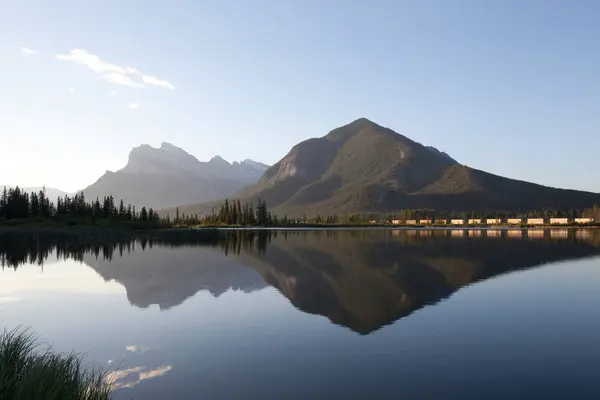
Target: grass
{"points": [[31, 371]]}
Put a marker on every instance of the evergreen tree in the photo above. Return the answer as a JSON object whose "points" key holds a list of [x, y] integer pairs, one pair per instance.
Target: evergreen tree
{"points": [[97, 211], [44, 203], [238, 210], [3, 203], [34, 205], [234, 214], [122, 212], [144, 214]]}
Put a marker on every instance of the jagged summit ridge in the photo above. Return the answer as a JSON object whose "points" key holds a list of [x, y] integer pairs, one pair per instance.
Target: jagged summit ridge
{"points": [[170, 176]]}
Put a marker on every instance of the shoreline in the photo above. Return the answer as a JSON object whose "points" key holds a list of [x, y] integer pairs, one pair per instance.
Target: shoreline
{"points": [[93, 230]]}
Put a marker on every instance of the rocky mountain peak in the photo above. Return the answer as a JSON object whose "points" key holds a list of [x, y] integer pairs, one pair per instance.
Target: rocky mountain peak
{"points": [[164, 160], [169, 176], [219, 162]]}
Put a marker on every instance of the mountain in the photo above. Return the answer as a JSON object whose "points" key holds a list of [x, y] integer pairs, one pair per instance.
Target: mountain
{"points": [[169, 176], [363, 166], [52, 193]]}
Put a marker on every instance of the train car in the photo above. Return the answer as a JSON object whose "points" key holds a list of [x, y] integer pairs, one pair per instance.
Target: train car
{"points": [[535, 221]]}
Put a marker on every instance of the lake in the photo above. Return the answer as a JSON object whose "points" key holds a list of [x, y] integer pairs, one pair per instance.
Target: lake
{"points": [[374, 313]]}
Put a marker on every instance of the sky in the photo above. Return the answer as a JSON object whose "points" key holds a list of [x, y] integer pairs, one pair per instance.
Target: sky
{"points": [[511, 87]]}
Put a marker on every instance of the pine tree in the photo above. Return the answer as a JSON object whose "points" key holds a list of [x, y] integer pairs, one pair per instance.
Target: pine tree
{"points": [[3, 203], [97, 212], [226, 213], [44, 203], [34, 205], [234, 215], [122, 212]]}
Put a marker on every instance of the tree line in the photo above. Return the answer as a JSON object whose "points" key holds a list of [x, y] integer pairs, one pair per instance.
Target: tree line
{"points": [[232, 213], [18, 204]]}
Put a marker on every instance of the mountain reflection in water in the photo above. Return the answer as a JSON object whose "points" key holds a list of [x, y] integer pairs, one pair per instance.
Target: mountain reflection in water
{"points": [[359, 279]]}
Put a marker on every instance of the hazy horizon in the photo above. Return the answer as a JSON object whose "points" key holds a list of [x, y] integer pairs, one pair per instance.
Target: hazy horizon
{"points": [[509, 87]]}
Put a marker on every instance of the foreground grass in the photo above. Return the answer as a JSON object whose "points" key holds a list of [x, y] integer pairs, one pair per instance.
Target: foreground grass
{"points": [[29, 371]]}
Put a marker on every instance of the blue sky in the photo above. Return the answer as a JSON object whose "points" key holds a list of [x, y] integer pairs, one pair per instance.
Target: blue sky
{"points": [[510, 87]]}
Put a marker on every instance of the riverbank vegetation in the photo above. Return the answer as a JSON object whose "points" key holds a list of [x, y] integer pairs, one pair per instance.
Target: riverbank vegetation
{"points": [[30, 371]]}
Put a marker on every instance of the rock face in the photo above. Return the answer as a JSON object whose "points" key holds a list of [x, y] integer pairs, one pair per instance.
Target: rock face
{"points": [[364, 167], [169, 176]]}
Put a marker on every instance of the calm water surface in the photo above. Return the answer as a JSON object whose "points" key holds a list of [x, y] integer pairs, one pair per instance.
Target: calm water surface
{"points": [[321, 314]]}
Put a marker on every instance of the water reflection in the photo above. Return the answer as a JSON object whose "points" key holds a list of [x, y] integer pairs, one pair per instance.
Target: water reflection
{"points": [[359, 279], [365, 281]]}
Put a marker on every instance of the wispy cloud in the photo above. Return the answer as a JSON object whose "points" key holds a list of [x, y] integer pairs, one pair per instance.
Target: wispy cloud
{"points": [[119, 79], [28, 51], [150, 80], [134, 106], [113, 73], [71, 90], [113, 93]]}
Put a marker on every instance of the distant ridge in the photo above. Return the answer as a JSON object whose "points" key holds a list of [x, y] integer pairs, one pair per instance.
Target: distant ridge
{"points": [[169, 176], [365, 167]]}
